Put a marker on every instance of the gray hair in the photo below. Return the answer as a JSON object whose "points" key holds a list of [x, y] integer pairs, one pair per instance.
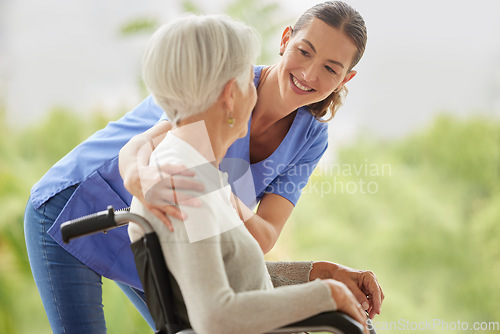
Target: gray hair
{"points": [[189, 60]]}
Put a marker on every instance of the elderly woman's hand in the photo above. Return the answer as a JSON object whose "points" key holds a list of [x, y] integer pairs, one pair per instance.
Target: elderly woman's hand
{"points": [[346, 302], [362, 283]]}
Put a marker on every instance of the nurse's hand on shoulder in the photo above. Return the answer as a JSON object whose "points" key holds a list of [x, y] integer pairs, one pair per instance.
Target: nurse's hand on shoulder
{"points": [[362, 283], [160, 188], [164, 189]]}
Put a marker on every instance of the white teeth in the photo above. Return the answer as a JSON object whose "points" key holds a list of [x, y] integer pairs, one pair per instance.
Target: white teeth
{"points": [[301, 87]]}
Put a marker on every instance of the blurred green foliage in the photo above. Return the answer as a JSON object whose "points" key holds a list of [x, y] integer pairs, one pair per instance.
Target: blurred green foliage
{"points": [[138, 26], [26, 155]]}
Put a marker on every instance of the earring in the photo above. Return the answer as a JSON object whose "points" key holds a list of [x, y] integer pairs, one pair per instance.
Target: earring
{"points": [[231, 121], [280, 53]]}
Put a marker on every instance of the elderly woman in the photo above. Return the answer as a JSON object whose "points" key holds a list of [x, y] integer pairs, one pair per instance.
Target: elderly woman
{"points": [[199, 71]]}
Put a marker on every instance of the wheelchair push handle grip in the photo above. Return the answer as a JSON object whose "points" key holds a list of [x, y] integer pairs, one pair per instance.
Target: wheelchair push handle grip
{"points": [[93, 223]]}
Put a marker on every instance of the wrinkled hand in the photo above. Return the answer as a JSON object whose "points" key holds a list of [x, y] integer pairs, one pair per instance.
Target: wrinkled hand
{"points": [[346, 302], [363, 284]]}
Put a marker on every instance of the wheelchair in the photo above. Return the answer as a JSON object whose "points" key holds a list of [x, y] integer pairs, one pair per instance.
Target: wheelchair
{"points": [[161, 289]]}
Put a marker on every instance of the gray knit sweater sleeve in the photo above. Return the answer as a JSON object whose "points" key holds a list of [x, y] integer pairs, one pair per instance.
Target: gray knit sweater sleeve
{"points": [[289, 273]]}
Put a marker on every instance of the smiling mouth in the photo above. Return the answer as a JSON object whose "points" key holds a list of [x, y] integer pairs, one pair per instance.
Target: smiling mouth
{"points": [[299, 85]]}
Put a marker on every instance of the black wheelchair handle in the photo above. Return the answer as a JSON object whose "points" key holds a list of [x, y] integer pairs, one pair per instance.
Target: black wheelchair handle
{"points": [[100, 221]]}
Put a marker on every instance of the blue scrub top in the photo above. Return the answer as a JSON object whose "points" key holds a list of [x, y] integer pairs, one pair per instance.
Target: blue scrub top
{"points": [[93, 166]]}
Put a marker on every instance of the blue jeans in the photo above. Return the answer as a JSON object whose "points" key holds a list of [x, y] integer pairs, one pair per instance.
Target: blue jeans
{"points": [[71, 292]]}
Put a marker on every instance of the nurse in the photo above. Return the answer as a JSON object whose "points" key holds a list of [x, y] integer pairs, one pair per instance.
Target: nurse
{"points": [[287, 136]]}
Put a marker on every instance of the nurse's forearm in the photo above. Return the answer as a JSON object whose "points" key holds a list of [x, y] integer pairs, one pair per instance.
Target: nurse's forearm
{"points": [[263, 231], [266, 225]]}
